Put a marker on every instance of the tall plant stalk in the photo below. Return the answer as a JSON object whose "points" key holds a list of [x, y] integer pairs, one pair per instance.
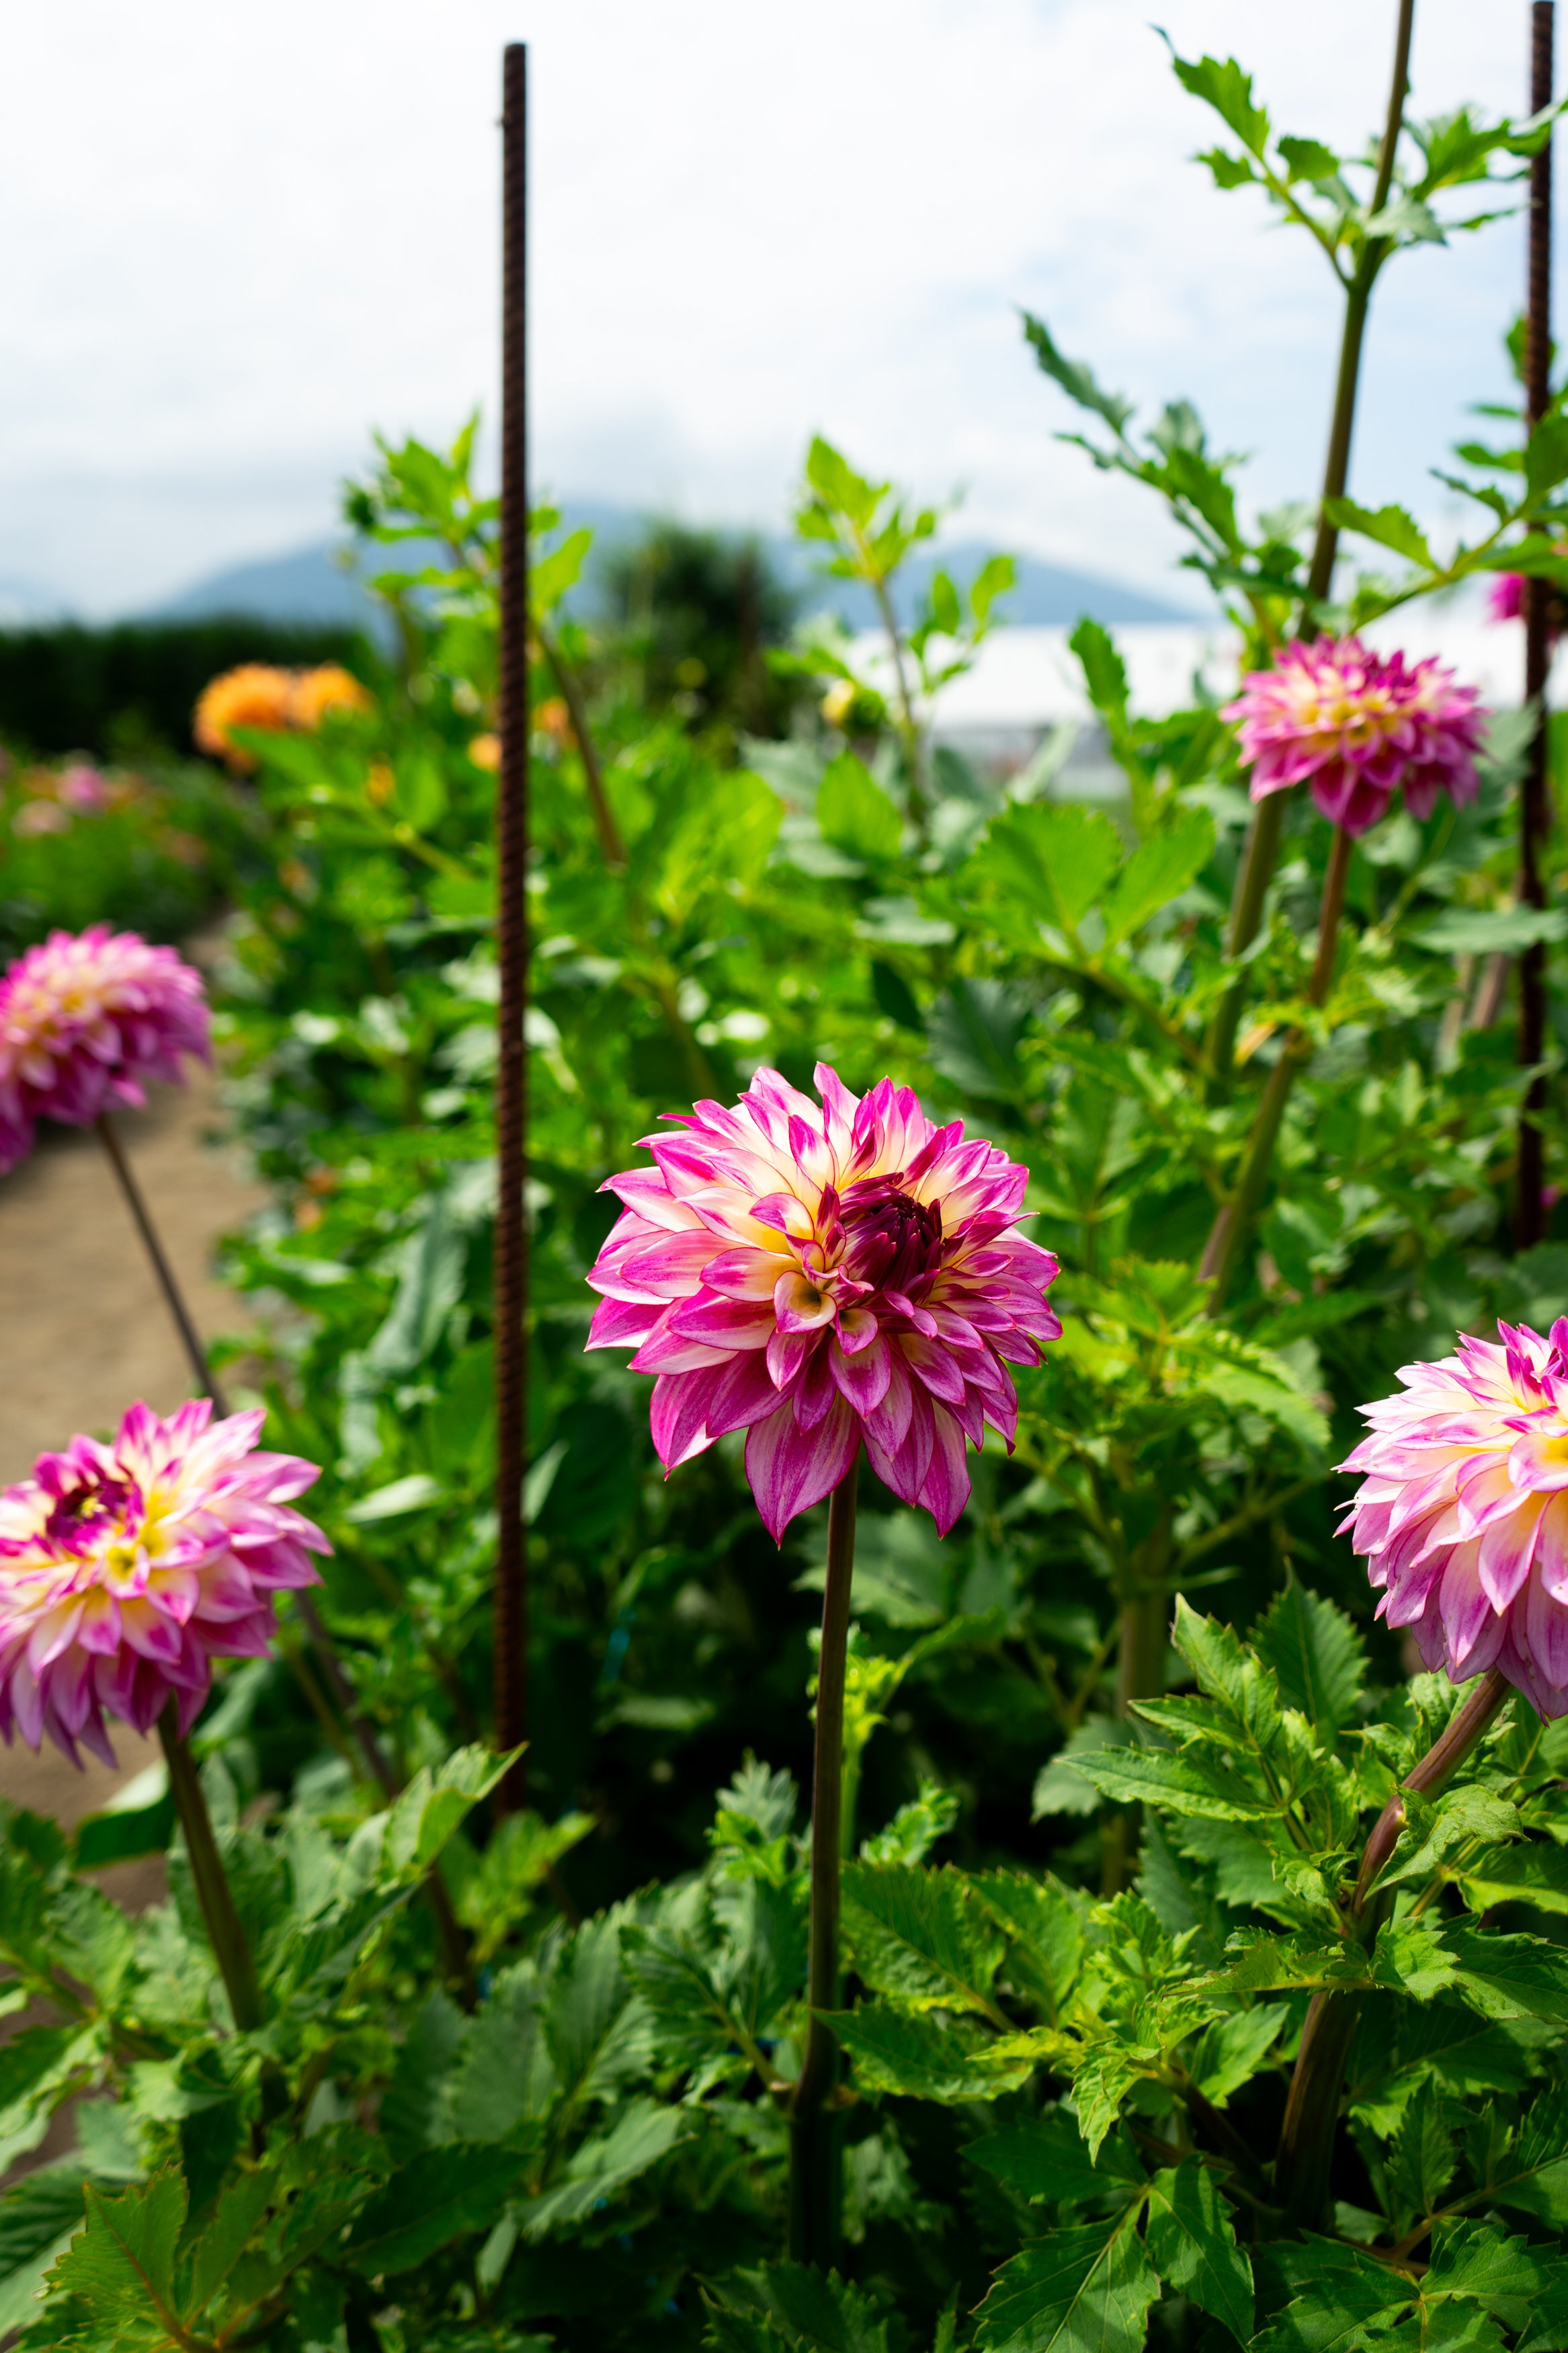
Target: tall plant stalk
{"points": [[1228, 1234], [1305, 2156], [1262, 850], [236, 1964], [815, 2151]]}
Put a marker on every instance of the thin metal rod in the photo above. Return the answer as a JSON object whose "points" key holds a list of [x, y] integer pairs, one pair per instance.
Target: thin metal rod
{"points": [[173, 1298], [1534, 800], [511, 1611], [813, 2200]]}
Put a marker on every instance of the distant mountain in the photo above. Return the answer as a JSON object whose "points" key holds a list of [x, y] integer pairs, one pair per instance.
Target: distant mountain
{"points": [[317, 583]]}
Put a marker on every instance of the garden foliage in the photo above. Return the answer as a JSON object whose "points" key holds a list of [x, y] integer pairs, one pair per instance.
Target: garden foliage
{"points": [[1095, 1880]]}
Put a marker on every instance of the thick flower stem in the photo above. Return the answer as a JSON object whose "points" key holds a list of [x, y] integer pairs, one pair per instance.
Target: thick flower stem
{"points": [[230, 1950], [1305, 2156], [1263, 835], [173, 1298], [1228, 1234], [814, 2149]]}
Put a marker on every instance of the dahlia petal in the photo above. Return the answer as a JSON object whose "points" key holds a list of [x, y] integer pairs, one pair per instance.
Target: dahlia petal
{"points": [[944, 1491], [790, 1470], [863, 1379]]}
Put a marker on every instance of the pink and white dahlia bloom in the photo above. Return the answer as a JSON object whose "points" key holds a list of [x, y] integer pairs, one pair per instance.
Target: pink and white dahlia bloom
{"points": [[1463, 1513], [84, 1019], [126, 1569], [818, 1277], [1356, 726]]}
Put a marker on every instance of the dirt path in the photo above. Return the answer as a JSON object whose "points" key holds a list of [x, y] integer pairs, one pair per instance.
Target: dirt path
{"points": [[84, 1331]]}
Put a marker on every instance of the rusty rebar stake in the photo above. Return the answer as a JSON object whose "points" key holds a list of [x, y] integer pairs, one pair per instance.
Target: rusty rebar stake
{"points": [[511, 951], [1535, 795]]}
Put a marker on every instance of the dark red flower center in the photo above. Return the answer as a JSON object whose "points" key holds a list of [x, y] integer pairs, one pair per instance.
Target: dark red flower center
{"points": [[80, 1515], [891, 1240]]}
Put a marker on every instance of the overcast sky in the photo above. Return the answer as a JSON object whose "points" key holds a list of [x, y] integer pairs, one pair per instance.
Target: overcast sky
{"points": [[235, 240]]}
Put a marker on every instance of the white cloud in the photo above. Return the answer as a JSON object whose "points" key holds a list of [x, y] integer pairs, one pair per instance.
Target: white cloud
{"points": [[234, 243]]}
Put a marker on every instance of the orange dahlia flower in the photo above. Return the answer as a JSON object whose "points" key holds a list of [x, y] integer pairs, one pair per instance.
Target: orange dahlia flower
{"points": [[253, 695]]}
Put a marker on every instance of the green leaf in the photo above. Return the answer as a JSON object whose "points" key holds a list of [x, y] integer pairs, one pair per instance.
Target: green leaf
{"points": [[1048, 2162], [922, 1937], [1510, 1976], [1044, 1926], [855, 815], [1179, 1785], [138, 1819], [975, 1033], [1316, 1656], [1221, 84], [1075, 377], [596, 2033], [1536, 1873], [1104, 673], [1052, 863], [431, 1808], [790, 2304], [1158, 872], [895, 997], [1087, 2290], [1231, 2050], [1532, 2178], [1491, 931], [240, 2207], [1193, 2246], [643, 2133], [1389, 526], [918, 2058], [1308, 159], [122, 2267], [1335, 2292], [437, 2195], [410, 2104]]}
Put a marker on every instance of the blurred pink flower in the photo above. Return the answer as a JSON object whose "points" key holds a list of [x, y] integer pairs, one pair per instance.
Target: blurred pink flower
{"points": [[1463, 1513], [1505, 596], [82, 789], [1356, 725], [35, 817], [820, 1276], [126, 1569], [84, 1019]]}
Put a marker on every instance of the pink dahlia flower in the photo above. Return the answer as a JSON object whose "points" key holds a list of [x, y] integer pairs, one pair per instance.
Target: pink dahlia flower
{"points": [[1356, 725], [1463, 1513], [1505, 596], [817, 1276], [84, 1019], [126, 1569]]}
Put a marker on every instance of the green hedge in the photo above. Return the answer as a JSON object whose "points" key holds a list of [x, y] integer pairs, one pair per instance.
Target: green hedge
{"points": [[129, 690]]}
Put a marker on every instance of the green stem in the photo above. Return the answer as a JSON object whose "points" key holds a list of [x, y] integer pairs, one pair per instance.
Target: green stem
{"points": [[1229, 1232], [814, 2201], [1305, 2156], [609, 832], [1263, 835], [908, 725], [230, 1950]]}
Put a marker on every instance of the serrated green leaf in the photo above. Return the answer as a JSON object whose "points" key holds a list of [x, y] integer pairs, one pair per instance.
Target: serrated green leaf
{"points": [[855, 814], [794, 2306], [1533, 1873], [1316, 1656], [1389, 526], [1048, 864], [1220, 83], [1510, 1976], [438, 2195], [1175, 1784], [643, 2133], [121, 2266], [1047, 2161], [924, 1938], [1158, 872], [1075, 376], [916, 2059], [1087, 2290], [1192, 2243]]}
